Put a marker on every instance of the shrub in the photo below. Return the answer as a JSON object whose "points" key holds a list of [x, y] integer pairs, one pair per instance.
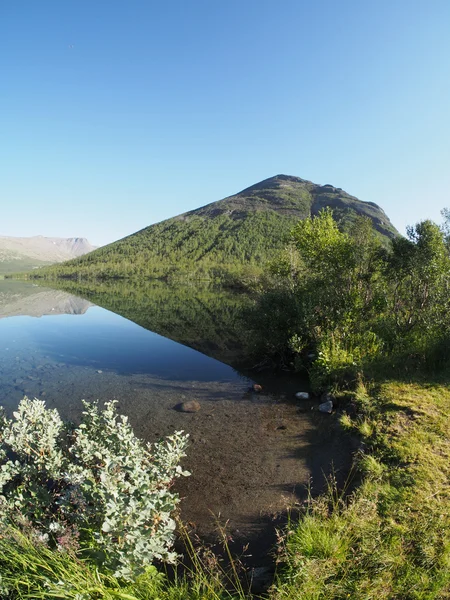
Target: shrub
{"points": [[340, 361], [95, 488]]}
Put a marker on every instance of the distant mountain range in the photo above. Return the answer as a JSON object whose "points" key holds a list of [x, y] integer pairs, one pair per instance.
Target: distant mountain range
{"points": [[246, 229], [23, 253]]}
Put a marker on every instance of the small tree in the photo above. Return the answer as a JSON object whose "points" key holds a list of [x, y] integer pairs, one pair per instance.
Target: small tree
{"points": [[419, 274]]}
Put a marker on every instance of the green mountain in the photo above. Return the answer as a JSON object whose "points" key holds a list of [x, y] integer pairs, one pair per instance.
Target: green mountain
{"points": [[222, 237]]}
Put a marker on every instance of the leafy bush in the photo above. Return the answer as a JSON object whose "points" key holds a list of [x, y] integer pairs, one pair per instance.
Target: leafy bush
{"points": [[354, 303], [341, 360], [95, 488]]}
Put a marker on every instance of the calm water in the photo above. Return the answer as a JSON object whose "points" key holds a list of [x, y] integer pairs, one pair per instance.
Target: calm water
{"points": [[152, 347], [55, 345]]}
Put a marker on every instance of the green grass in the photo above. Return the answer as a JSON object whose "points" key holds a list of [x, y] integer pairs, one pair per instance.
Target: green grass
{"points": [[28, 569], [390, 539], [18, 265]]}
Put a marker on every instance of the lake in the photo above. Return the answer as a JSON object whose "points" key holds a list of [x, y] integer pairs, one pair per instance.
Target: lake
{"points": [[152, 346]]}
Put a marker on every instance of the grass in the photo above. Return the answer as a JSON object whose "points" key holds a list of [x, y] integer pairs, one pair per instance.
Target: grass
{"points": [[28, 569], [390, 539]]}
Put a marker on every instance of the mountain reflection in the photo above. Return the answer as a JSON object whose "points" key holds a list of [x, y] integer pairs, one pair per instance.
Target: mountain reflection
{"points": [[24, 299], [201, 317]]}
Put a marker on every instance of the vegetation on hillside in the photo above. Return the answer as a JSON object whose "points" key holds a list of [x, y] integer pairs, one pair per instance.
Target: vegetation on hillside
{"points": [[9, 264], [28, 253], [237, 235]]}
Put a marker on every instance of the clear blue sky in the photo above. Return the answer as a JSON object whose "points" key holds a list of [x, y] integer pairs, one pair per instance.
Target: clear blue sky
{"points": [[116, 114]]}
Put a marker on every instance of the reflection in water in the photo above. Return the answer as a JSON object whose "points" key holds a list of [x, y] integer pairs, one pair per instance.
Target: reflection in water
{"points": [[202, 317], [250, 454], [42, 355], [18, 298]]}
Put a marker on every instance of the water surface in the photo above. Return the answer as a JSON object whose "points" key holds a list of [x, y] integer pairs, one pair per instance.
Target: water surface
{"points": [[151, 347]]}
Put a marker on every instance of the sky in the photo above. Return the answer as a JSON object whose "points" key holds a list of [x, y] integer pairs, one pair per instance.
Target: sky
{"points": [[115, 115]]}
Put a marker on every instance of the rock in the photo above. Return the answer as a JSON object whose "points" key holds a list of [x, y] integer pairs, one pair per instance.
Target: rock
{"points": [[99, 371], [257, 388], [302, 395], [326, 407], [188, 407]]}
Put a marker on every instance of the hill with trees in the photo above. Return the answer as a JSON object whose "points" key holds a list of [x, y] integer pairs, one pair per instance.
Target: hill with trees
{"points": [[228, 236]]}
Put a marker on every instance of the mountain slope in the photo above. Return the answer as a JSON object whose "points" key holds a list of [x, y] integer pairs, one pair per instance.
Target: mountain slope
{"points": [[18, 253], [244, 229]]}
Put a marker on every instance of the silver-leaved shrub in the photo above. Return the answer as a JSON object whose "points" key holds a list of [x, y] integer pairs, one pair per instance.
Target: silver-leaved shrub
{"points": [[96, 489]]}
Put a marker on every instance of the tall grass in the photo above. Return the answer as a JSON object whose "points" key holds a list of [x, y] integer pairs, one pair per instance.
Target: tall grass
{"points": [[29, 569]]}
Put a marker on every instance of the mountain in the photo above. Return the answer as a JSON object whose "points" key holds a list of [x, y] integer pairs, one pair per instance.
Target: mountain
{"points": [[245, 229], [20, 253]]}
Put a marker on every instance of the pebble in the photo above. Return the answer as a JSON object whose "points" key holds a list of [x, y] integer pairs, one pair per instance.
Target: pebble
{"points": [[188, 407], [326, 407], [302, 395]]}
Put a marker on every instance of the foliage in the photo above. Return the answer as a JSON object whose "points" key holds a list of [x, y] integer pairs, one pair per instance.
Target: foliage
{"points": [[419, 268], [96, 487], [355, 304], [339, 362]]}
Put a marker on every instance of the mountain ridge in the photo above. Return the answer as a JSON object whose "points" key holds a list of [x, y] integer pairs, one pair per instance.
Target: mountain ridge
{"points": [[242, 230], [39, 250], [325, 195]]}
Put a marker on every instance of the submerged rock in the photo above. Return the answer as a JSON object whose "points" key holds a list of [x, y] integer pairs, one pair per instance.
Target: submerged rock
{"points": [[188, 407], [302, 395]]}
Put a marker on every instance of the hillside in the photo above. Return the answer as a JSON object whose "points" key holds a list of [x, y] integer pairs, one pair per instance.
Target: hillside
{"points": [[24, 253], [244, 229]]}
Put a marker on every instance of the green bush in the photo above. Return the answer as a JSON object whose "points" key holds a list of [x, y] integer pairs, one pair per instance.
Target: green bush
{"points": [[95, 488], [341, 361], [354, 304]]}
